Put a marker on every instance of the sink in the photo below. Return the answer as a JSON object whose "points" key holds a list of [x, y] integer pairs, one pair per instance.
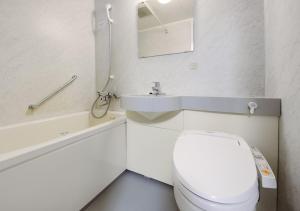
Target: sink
{"points": [[151, 115], [151, 106]]}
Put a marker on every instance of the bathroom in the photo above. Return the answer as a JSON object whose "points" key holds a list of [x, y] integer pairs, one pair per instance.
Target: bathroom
{"points": [[79, 129]]}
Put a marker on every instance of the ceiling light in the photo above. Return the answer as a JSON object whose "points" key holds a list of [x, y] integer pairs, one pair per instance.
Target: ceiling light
{"points": [[164, 1]]}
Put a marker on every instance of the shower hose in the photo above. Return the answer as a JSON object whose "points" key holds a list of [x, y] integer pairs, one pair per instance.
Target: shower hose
{"points": [[104, 97]]}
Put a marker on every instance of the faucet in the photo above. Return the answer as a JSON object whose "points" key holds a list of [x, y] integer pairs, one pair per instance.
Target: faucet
{"points": [[156, 90]]}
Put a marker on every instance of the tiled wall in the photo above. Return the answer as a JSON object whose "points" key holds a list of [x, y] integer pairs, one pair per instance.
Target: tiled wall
{"points": [[229, 51], [283, 81], [42, 44]]}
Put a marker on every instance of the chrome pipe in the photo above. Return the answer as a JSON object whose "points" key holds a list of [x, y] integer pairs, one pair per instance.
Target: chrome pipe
{"points": [[31, 107]]}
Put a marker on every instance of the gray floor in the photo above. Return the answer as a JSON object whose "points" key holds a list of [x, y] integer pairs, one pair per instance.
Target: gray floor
{"points": [[133, 192]]}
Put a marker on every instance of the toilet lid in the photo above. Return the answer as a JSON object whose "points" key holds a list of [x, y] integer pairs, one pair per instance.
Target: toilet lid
{"points": [[215, 166]]}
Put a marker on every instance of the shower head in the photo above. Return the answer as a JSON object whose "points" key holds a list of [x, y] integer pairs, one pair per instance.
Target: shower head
{"points": [[108, 10], [108, 6]]}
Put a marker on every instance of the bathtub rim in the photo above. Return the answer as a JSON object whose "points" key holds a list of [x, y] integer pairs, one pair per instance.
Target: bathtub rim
{"points": [[63, 116], [17, 157]]}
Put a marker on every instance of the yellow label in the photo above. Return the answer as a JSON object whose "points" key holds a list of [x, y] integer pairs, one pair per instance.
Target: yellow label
{"points": [[266, 172]]}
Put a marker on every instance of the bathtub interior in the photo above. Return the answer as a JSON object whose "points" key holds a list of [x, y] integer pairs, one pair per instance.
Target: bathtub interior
{"points": [[63, 173], [23, 135]]}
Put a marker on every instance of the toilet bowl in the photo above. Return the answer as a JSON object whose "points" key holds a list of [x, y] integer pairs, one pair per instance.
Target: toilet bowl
{"points": [[214, 172]]}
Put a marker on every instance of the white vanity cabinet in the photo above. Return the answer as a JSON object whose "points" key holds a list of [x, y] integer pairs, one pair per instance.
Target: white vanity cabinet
{"points": [[150, 144]]}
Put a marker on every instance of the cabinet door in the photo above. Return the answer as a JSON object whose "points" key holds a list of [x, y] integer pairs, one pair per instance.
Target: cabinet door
{"points": [[150, 151]]}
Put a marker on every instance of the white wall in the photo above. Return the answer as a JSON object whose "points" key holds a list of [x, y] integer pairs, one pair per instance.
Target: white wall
{"points": [[229, 51], [283, 81], [42, 44]]}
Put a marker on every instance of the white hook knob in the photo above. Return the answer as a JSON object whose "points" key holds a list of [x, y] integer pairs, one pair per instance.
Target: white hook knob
{"points": [[108, 9], [252, 107]]}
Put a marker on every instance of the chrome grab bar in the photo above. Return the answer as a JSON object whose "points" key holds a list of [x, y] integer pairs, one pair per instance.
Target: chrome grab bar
{"points": [[31, 107]]}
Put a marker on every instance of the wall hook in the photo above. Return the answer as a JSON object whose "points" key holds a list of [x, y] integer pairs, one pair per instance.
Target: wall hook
{"points": [[252, 107]]}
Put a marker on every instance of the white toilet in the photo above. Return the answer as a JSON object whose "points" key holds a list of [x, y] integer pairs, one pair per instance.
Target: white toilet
{"points": [[214, 172]]}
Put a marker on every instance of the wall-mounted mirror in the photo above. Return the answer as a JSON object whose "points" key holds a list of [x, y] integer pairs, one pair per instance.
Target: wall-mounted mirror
{"points": [[165, 27]]}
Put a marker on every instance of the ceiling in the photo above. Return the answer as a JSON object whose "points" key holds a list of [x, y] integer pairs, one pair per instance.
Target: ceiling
{"points": [[173, 11]]}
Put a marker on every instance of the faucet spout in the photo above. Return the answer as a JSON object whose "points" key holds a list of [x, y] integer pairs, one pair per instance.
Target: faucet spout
{"points": [[156, 89]]}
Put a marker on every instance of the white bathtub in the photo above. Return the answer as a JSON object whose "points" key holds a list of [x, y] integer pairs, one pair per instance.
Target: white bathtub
{"points": [[60, 164]]}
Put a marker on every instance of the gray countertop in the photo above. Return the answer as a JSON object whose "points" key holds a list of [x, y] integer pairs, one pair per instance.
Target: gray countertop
{"points": [[235, 105]]}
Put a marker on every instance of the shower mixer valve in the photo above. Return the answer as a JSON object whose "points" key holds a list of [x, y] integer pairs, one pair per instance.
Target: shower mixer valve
{"points": [[106, 95]]}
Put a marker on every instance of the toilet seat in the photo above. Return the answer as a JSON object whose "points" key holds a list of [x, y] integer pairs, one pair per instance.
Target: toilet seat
{"points": [[215, 168]]}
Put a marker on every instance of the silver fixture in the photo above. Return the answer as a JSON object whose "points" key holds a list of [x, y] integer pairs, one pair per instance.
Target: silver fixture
{"points": [[252, 107], [104, 96], [31, 107], [156, 89]]}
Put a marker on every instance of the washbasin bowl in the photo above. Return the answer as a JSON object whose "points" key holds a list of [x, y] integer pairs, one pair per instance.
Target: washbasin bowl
{"points": [[151, 106]]}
